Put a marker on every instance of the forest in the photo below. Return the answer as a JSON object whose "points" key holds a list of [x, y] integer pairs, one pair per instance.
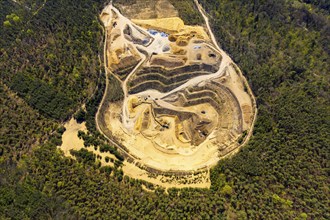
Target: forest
{"points": [[55, 44], [281, 46]]}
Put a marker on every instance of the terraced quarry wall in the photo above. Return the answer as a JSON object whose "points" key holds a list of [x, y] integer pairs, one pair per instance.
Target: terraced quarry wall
{"points": [[186, 104]]}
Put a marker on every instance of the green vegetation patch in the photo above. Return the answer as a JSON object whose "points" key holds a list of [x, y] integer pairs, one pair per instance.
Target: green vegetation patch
{"points": [[57, 45], [43, 97], [21, 126]]}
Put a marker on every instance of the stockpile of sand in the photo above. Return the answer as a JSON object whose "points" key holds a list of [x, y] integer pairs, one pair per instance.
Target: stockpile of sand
{"points": [[197, 31], [168, 25], [174, 25]]}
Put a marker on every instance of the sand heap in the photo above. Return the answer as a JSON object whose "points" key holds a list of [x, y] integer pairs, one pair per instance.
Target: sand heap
{"points": [[168, 25], [173, 25]]}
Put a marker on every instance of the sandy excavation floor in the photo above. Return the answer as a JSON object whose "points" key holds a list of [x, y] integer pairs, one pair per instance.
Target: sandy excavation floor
{"points": [[186, 104]]}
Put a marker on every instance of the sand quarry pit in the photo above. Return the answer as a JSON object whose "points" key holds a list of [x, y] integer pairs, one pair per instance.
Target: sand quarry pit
{"points": [[186, 104]]}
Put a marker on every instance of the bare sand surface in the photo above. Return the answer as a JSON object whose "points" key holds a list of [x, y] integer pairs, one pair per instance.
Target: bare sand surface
{"points": [[71, 141], [202, 181]]}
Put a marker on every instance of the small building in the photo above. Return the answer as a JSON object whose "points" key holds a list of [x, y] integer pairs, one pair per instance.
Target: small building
{"points": [[166, 48], [162, 34], [152, 32], [145, 41], [197, 47]]}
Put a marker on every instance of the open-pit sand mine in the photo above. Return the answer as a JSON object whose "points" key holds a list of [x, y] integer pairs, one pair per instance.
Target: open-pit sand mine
{"points": [[186, 104]]}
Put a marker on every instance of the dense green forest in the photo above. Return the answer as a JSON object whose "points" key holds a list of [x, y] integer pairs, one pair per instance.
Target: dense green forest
{"points": [[282, 48], [53, 45], [21, 126]]}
